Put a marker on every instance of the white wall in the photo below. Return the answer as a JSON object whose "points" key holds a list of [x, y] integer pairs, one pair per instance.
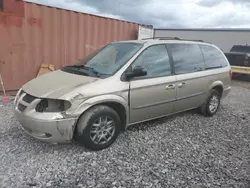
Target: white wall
{"points": [[145, 32], [223, 39]]}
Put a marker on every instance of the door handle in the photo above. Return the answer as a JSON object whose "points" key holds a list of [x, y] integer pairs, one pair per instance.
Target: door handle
{"points": [[172, 86], [180, 85]]}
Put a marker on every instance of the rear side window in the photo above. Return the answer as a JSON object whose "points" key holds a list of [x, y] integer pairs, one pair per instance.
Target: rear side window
{"points": [[213, 57], [187, 58]]}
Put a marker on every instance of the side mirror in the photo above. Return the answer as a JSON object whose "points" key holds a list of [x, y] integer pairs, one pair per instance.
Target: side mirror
{"points": [[137, 71]]}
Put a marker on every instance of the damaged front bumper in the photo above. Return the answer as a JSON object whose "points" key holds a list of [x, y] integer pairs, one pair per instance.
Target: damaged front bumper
{"points": [[51, 127], [46, 129]]}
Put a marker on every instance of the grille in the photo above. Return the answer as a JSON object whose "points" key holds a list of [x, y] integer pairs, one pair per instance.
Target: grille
{"points": [[21, 107], [28, 98]]}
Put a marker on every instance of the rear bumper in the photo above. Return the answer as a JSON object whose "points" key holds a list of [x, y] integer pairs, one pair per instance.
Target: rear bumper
{"points": [[226, 91], [47, 128]]}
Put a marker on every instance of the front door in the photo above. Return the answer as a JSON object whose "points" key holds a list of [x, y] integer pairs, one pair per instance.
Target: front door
{"points": [[153, 95], [191, 84]]}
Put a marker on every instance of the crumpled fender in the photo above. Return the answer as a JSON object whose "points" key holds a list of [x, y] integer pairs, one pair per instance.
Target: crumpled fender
{"points": [[85, 105]]}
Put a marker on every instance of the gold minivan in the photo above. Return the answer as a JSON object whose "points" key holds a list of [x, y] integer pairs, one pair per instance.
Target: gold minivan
{"points": [[121, 84]]}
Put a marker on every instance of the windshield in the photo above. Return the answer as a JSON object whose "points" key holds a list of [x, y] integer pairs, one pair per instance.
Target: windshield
{"points": [[107, 60]]}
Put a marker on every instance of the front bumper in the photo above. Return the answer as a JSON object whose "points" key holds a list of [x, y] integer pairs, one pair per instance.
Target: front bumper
{"points": [[54, 131], [50, 127]]}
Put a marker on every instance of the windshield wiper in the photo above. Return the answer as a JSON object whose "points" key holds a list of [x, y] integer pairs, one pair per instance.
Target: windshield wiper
{"points": [[86, 68]]}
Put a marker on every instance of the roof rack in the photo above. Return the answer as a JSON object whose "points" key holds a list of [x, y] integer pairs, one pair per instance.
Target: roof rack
{"points": [[173, 38], [164, 38], [194, 40]]}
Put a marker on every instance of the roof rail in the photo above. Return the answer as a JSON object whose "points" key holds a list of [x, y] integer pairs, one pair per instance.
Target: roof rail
{"points": [[163, 38], [193, 40], [173, 38]]}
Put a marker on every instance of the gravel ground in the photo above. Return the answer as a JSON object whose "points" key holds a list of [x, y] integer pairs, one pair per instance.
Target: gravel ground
{"points": [[185, 150]]}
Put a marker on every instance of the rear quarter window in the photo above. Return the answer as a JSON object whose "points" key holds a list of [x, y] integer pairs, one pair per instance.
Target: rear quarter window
{"points": [[213, 57]]}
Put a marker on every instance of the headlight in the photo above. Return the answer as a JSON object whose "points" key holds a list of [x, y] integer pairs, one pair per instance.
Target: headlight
{"points": [[53, 105]]}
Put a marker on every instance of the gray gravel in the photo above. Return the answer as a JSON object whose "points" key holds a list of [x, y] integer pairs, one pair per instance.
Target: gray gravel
{"points": [[185, 150]]}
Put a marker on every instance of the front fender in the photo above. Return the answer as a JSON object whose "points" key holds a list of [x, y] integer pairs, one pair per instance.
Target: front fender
{"points": [[85, 105]]}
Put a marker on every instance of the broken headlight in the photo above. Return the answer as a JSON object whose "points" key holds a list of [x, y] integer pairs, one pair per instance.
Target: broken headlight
{"points": [[53, 105]]}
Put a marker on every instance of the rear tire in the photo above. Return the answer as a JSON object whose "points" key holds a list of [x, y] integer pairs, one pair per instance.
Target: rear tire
{"points": [[212, 104], [98, 128]]}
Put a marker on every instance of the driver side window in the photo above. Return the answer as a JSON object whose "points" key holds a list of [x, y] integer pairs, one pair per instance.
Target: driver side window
{"points": [[155, 60]]}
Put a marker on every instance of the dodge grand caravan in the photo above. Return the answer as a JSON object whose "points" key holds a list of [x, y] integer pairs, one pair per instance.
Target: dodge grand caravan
{"points": [[121, 84]]}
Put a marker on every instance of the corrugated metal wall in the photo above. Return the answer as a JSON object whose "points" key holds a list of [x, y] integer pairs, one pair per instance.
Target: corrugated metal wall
{"points": [[224, 39], [53, 36]]}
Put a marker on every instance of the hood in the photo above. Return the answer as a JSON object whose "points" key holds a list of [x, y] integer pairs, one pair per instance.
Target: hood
{"points": [[55, 84]]}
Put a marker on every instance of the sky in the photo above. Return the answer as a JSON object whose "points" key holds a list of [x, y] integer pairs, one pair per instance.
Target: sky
{"points": [[165, 13]]}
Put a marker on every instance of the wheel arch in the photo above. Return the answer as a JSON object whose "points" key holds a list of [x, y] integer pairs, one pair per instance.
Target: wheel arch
{"points": [[115, 102], [217, 85]]}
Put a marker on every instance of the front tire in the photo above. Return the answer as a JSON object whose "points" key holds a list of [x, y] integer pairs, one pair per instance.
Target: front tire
{"points": [[98, 128], [212, 104]]}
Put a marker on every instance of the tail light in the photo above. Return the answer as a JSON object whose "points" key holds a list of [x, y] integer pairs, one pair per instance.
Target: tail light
{"points": [[230, 74]]}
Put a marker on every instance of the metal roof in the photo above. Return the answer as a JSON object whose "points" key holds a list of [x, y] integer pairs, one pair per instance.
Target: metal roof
{"points": [[164, 41], [52, 6], [207, 29]]}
